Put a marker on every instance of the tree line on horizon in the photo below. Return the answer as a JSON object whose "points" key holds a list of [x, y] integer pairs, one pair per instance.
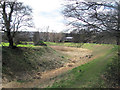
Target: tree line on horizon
{"points": [[97, 22]]}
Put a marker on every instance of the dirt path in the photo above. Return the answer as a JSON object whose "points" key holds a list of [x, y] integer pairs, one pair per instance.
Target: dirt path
{"points": [[77, 56]]}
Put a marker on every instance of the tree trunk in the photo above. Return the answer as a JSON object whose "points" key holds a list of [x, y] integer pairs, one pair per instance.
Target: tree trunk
{"points": [[11, 43], [10, 40], [118, 40]]}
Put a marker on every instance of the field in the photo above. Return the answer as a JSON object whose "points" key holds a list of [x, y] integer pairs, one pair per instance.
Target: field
{"points": [[62, 65], [19, 45]]}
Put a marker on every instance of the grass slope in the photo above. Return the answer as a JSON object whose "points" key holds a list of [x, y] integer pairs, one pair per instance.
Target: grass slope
{"points": [[22, 63], [88, 75]]}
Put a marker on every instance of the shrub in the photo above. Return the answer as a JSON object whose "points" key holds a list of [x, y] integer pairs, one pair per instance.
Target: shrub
{"points": [[41, 43]]}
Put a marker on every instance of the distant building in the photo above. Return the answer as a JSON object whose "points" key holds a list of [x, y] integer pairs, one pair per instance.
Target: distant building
{"points": [[68, 39]]}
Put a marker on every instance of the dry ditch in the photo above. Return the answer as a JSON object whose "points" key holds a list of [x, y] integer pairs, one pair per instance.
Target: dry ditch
{"points": [[77, 56]]}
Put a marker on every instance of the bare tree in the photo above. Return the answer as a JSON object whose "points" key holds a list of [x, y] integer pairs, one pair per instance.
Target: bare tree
{"points": [[47, 34], [15, 16], [100, 16], [36, 38], [21, 37]]}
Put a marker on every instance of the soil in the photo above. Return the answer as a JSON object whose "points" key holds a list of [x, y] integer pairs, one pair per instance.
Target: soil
{"points": [[76, 57]]}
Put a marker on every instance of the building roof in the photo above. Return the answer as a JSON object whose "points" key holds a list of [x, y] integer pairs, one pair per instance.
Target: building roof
{"points": [[69, 37]]}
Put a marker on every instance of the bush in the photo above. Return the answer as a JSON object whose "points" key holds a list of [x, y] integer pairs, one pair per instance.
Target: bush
{"points": [[41, 43]]}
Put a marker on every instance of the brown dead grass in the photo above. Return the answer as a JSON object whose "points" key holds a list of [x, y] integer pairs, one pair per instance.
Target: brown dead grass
{"points": [[43, 79]]}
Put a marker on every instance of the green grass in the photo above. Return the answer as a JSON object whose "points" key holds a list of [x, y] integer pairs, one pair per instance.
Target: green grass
{"points": [[83, 45], [4, 44], [28, 45], [27, 42], [19, 45], [64, 44], [112, 73], [90, 74]]}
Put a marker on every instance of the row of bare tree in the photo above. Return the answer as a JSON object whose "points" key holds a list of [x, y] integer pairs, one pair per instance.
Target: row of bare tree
{"points": [[86, 36], [47, 37], [79, 36], [99, 17], [94, 16]]}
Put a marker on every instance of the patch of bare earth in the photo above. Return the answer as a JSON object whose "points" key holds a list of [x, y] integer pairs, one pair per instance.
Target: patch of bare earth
{"points": [[77, 57]]}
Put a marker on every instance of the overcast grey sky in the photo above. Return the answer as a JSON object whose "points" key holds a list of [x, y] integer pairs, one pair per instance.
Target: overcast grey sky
{"points": [[47, 13]]}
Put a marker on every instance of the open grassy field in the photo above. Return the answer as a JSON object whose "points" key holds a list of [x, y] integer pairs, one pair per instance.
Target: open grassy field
{"points": [[83, 45], [28, 44]]}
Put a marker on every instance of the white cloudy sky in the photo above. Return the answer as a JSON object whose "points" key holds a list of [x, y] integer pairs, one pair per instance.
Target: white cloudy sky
{"points": [[47, 13]]}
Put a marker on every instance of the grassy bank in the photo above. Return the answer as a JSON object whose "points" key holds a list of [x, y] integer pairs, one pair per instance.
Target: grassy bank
{"points": [[22, 63], [89, 75]]}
